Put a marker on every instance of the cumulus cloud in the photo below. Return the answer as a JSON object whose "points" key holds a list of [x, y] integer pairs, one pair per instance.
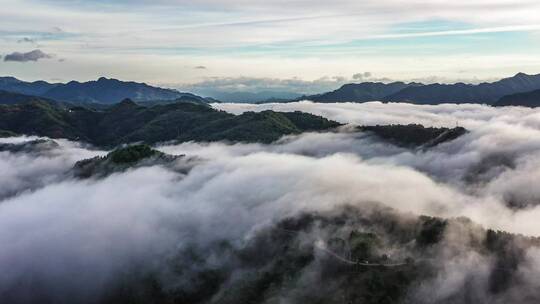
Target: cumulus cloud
{"points": [[34, 55], [361, 76], [96, 231]]}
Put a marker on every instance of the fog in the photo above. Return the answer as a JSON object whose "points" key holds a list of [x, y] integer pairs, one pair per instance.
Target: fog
{"points": [[69, 240]]}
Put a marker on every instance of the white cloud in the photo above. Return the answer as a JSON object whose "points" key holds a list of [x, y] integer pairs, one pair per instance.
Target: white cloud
{"points": [[292, 39], [92, 231]]}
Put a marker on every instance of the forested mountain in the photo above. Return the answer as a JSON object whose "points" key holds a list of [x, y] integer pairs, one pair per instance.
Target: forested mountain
{"points": [[7, 97], [15, 85], [101, 91], [487, 93], [344, 256], [110, 91], [528, 99], [361, 92], [414, 135], [128, 122]]}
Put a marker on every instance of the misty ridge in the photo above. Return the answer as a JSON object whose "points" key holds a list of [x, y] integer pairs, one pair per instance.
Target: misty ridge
{"points": [[390, 203], [518, 90]]}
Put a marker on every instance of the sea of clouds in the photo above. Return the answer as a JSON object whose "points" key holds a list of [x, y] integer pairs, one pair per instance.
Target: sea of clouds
{"points": [[73, 237]]}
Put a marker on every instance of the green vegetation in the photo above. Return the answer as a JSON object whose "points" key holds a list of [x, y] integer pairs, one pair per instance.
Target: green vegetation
{"points": [[32, 146], [414, 135], [128, 122], [431, 231], [121, 159], [132, 154], [284, 262], [4, 133]]}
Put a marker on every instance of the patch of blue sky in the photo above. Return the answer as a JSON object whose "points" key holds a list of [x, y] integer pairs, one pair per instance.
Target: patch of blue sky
{"points": [[41, 36], [477, 43]]}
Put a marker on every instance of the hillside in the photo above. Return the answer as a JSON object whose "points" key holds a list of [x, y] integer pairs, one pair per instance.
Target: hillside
{"points": [[361, 92], [7, 97], [528, 99], [487, 93], [101, 91], [15, 85], [414, 135], [128, 122], [364, 257], [121, 159]]}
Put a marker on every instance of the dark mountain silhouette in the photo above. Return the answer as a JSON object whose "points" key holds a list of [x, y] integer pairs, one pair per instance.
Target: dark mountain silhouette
{"points": [[254, 97], [124, 158], [127, 122], [363, 257], [361, 92], [414, 135], [101, 91], [15, 85], [528, 99], [487, 93], [7, 97]]}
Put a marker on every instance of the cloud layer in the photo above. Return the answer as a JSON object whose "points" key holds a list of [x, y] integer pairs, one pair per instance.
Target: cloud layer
{"points": [[70, 240]]}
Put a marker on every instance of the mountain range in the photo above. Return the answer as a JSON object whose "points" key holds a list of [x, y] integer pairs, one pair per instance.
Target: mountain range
{"points": [[101, 91], [417, 93], [253, 97], [361, 92], [106, 91], [526, 99], [128, 122]]}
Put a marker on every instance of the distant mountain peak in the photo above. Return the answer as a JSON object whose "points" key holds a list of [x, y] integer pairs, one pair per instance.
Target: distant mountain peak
{"points": [[101, 91], [520, 74], [127, 101], [125, 104]]}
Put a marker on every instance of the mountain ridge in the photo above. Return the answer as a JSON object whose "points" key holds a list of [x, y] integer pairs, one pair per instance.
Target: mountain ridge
{"points": [[360, 92], [100, 91], [526, 99], [486, 92], [128, 122], [435, 93]]}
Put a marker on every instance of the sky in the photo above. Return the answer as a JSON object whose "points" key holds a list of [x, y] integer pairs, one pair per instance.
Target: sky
{"points": [[248, 45]]}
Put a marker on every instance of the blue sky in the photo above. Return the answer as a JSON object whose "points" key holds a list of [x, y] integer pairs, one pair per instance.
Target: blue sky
{"points": [[293, 45]]}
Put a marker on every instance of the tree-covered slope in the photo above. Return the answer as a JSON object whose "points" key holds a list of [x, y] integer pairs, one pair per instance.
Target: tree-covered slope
{"points": [[361, 92], [528, 99], [7, 97], [351, 255], [15, 85], [122, 159], [414, 135], [101, 91], [487, 93], [128, 122]]}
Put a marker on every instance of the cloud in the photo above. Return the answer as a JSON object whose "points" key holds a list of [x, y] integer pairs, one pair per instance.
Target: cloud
{"points": [[99, 232], [216, 85], [34, 55], [200, 67], [270, 33], [361, 76]]}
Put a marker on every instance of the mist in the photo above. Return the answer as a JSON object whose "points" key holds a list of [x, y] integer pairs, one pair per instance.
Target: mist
{"points": [[68, 240]]}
